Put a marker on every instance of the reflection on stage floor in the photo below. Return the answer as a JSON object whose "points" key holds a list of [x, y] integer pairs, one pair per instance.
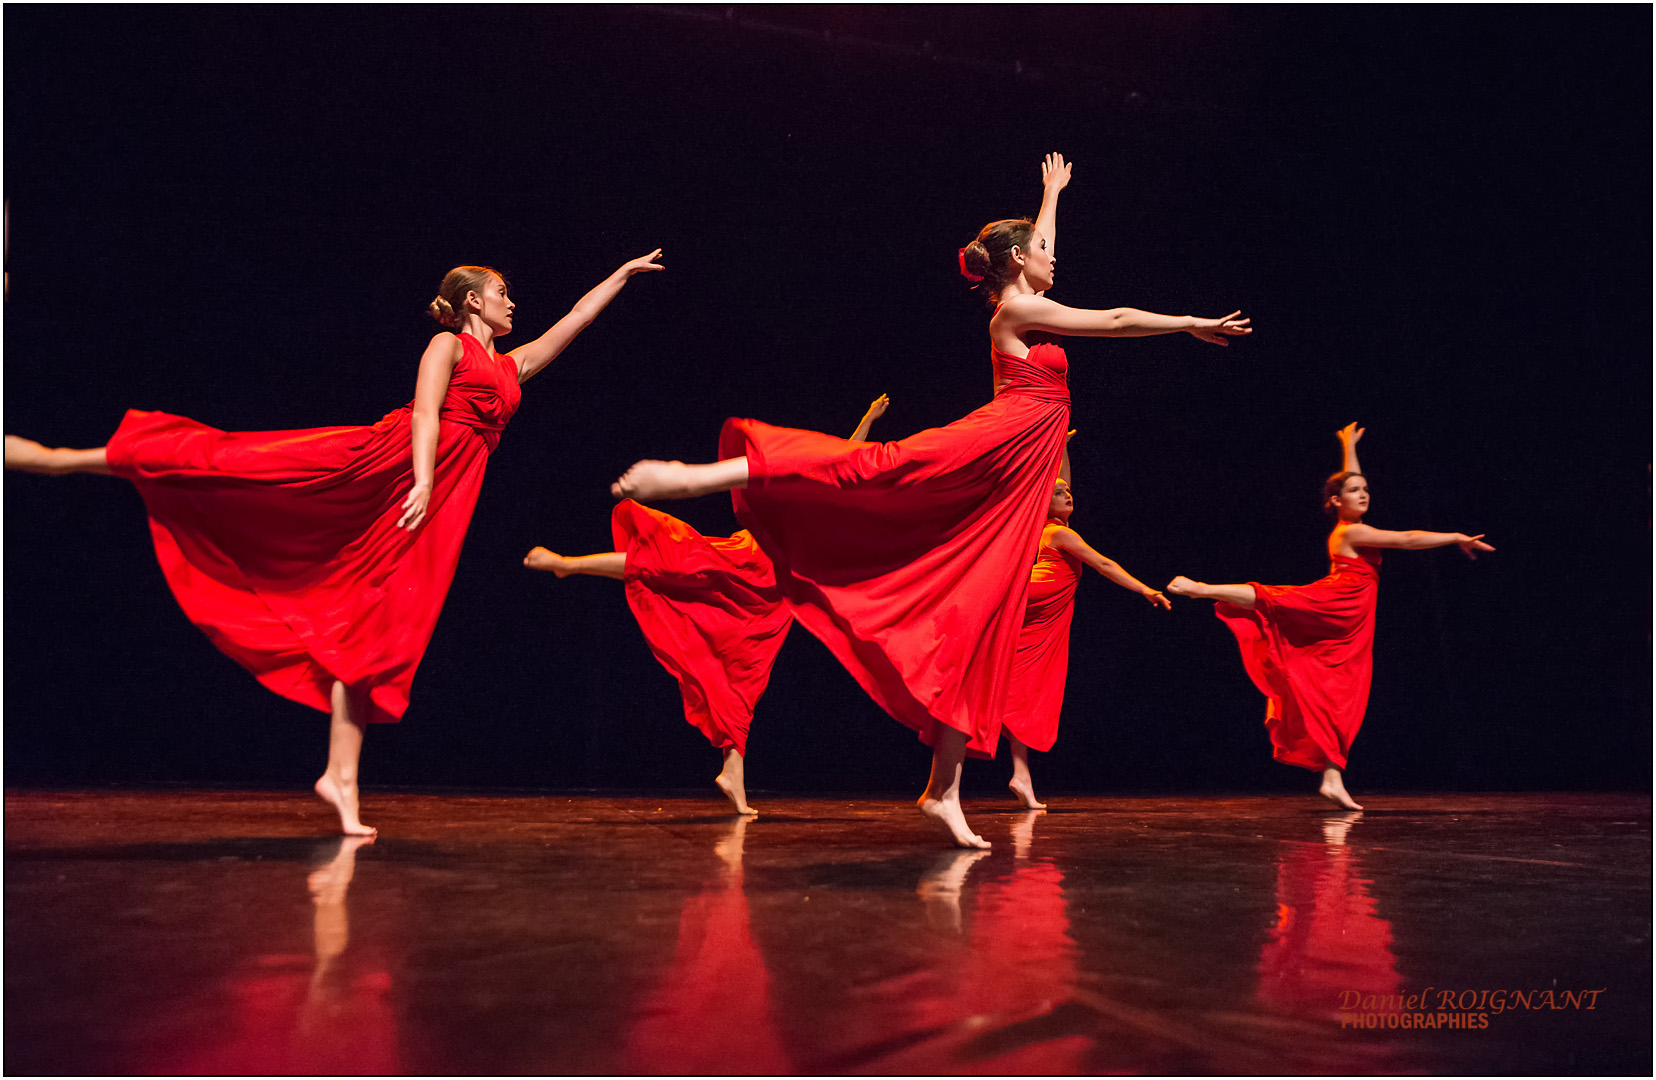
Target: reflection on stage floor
{"points": [[225, 932]]}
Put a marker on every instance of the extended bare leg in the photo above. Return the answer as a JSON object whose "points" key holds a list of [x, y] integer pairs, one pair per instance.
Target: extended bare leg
{"points": [[1240, 595], [730, 782], [1333, 789], [29, 456], [610, 564], [941, 799], [1021, 784], [338, 786], [650, 479]]}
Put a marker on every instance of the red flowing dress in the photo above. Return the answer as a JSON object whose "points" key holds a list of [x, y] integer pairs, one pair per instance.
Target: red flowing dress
{"points": [[283, 546], [910, 559], [711, 612], [1310, 650], [1041, 663]]}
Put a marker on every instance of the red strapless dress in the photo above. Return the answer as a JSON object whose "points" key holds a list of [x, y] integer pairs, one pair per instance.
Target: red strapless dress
{"points": [[1310, 650], [1041, 664], [283, 546], [711, 612], [910, 559]]}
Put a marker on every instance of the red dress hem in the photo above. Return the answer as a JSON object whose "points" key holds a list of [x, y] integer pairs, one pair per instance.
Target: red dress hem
{"points": [[1309, 650], [283, 547], [711, 613], [909, 559]]}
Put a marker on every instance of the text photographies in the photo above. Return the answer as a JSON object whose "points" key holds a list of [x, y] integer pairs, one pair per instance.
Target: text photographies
{"points": [[1454, 1009]]}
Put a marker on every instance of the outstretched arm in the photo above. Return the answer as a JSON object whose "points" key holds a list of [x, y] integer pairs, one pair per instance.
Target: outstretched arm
{"points": [[1414, 539], [1055, 176], [1030, 312], [875, 411], [1069, 540], [436, 368], [1348, 437], [544, 349]]}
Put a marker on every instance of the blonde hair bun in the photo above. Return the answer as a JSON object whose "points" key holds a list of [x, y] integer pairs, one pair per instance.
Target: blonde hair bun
{"points": [[442, 312]]}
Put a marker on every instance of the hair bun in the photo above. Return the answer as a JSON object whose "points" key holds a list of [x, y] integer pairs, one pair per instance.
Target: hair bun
{"points": [[974, 261], [441, 310]]}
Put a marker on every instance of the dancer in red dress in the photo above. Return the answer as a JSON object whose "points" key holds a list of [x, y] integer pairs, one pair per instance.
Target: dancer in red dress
{"points": [[909, 559], [1310, 648], [319, 559], [710, 610], [1041, 664]]}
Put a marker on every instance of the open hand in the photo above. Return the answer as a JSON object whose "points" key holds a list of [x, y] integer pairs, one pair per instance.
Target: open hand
{"points": [[1055, 172], [1214, 331], [878, 407], [647, 262], [1159, 599], [1349, 434], [1473, 544], [414, 507]]}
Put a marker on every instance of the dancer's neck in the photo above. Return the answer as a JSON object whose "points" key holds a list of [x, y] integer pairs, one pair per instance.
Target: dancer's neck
{"points": [[478, 329]]}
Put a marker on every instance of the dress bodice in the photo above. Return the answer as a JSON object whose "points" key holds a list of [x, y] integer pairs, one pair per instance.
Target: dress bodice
{"points": [[1056, 573], [1044, 373], [483, 391], [1366, 562], [1052, 563]]}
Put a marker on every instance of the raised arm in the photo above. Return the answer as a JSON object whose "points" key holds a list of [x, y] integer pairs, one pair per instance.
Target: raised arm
{"points": [[1064, 463], [1028, 311], [1359, 535], [1067, 539], [875, 411], [1348, 436], [544, 349], [436, 368], [1055, 176]]}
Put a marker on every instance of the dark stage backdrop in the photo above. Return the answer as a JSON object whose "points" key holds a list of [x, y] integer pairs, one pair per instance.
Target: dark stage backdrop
{"points": [[1438, 220]]}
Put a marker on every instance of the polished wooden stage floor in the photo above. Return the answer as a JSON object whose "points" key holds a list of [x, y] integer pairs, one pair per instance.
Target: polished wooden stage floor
{"points": [[226, 932]]}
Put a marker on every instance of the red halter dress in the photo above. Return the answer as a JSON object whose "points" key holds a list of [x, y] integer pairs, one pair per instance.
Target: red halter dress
{"points": [[711, 612], [283, 546], [910, 559], [1310, 650], [1041, 664]]}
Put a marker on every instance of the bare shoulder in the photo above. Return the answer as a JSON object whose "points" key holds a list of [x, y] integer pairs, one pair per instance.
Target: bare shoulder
{"points": [[1062, 536], [445, 346], [1348, 536], [1355, 533], [1023, 308]]}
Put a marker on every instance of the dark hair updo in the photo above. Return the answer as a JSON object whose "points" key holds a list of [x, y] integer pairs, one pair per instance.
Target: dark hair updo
{"points": [[990, 256], [1332, 487], [449, 306]]}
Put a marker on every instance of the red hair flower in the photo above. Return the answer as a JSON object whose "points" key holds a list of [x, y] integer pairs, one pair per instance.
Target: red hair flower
{"points": [[967, 274]]}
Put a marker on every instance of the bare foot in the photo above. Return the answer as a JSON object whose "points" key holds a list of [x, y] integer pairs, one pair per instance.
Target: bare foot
{"points": [[1336, 828], [730, 848], [947, 814], [1023, 834], [1333, 789], [541, 559], [1183, 586], [1025, 791], [735, 792], [939, 888], [328, 885], [648, 480], [344, 800]]}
